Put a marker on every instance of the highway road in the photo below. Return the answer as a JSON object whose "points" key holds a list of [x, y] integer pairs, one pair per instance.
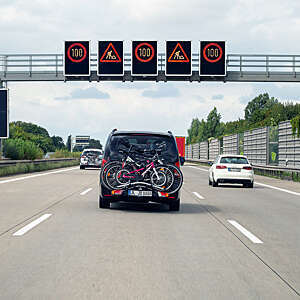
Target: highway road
{"points": [[225, 243]]}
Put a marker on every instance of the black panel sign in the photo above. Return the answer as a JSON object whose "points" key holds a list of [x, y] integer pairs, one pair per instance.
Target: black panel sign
{"points": [[144, 58], [4, 128], [110, 58], [212, 58], [77, 58], [178, 58]]}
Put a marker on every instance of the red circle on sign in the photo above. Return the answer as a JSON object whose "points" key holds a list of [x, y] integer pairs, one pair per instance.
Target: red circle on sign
{"points": [[212, 60], [141, 59], [76, 60]]}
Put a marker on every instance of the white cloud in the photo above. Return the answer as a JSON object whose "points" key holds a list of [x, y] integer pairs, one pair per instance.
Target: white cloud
{"points": [[40, 26]]}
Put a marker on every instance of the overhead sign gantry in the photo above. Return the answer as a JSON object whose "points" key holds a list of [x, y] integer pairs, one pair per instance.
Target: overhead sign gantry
{"points": [[144, 62]]}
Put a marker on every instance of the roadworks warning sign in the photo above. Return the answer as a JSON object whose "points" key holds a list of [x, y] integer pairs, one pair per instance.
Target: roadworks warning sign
{"points": [[110, 55], [178, 55]]}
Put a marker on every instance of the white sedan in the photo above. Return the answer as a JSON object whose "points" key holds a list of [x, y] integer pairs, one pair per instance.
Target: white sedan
{"points": [[231, 169]]}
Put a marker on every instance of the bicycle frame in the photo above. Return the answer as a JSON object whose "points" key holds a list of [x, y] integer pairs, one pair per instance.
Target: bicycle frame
{"points": [[147, 169]]}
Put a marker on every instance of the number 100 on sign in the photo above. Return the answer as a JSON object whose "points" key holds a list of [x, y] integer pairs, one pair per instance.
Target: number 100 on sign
{"points": [[144, 58], [212, 58], [77, 58]]}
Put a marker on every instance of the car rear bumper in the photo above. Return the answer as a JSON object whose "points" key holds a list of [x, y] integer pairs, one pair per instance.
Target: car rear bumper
{"points": [[236, 176], [234, 180], [124, 197]]}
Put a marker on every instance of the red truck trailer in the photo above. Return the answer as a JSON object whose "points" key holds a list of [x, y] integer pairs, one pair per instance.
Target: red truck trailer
{"points": [[180, 141]]}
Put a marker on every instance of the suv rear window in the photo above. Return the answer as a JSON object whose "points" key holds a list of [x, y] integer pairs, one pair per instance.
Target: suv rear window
{"points": [[142, 141], [234, 160]]}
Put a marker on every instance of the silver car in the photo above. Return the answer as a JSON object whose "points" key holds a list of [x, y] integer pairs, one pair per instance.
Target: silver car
{"points": [[91, 158]]}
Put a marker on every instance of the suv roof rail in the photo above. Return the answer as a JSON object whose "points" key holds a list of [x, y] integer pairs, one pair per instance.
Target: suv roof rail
{"points": [[170, 132]]}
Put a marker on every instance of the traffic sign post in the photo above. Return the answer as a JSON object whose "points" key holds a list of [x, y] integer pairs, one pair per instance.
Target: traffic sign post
{"points": [[77, 58], [110, 58], [4, 120], [144, 58], [178, 58], [212, 58]]}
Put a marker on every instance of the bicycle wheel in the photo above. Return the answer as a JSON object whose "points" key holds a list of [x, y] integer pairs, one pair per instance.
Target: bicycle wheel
{"points": [[123, 176], [110, 177], [103, 172], [178, 179], [162, 179]]}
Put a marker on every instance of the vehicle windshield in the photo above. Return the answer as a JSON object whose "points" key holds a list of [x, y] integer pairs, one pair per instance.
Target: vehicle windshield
{"points": [[234, 160], [142, 141]]}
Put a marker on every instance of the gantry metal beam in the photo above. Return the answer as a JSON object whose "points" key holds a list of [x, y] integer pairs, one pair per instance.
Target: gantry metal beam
{"points": [[239, 68]]}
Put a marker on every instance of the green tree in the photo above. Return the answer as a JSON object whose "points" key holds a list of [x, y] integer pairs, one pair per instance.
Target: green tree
{"points": [[19, 149], [95, 144], [31, 128], [193, 131], [202, 132], [213, 124], [31, 132], [58, 142], [257, 108]]}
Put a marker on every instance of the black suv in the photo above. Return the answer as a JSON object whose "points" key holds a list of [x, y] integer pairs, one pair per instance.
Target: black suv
{"points": [[139, 139]]}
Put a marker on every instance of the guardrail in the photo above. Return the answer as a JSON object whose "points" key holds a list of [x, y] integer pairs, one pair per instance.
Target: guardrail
{"points": [[7, 163], [275, 171]]}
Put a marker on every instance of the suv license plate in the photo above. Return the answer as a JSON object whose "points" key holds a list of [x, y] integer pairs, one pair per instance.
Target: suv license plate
{"points": [[140, 193]]}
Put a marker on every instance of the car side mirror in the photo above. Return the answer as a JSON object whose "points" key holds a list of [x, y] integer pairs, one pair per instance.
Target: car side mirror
{"points": [[182, 160]]}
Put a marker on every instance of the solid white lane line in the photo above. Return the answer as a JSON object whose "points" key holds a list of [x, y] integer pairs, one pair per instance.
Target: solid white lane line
{"points": [[31, 225], [85, 192], [36, 175], [245, 232], [198, 195], [205, 170], [277, 188]]}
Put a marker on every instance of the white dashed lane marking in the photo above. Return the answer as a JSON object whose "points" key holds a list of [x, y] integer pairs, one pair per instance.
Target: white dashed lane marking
{"points": [[245, 232], [32, 225], [198, 195], [85, 192]]}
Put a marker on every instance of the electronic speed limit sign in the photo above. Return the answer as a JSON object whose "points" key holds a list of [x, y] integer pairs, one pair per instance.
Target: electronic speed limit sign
{"points": [[144, 58], [212, 58], [77, 58]]}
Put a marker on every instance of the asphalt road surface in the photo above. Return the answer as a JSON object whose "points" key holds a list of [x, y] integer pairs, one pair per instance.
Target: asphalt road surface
{"points": [[225, 243]]}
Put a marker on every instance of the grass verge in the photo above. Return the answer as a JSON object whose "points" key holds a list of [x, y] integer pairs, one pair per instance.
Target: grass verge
{"points": [[30, 167]]}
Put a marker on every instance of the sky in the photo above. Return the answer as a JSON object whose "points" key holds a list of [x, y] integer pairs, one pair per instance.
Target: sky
{"points": [[89, 108]]}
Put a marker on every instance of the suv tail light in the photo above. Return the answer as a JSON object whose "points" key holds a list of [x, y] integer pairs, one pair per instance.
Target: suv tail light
{"points": [[117, 192], [247, 168], [162, 194], [104, 161], [221, 167]]}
